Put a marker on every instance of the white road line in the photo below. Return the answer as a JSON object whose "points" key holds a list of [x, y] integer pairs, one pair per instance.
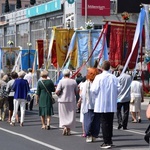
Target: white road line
{"points": [[31, 139]]}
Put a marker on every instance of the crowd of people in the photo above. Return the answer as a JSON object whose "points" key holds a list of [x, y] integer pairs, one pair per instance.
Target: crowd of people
{"points": [[97, 96]]}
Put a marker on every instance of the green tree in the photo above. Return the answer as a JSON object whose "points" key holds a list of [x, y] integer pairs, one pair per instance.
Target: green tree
{"points": [[7, 6], [18, 4], [32, 2]]}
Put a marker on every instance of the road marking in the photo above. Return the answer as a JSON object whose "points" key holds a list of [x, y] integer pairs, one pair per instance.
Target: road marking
{"points": [[31, 139]]}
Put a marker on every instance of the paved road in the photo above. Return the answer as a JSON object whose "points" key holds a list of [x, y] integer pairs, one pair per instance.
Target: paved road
{"points": [[31, 136]]}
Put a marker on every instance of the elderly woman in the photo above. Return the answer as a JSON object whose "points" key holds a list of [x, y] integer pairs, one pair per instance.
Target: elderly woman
{"points": [[66, 91], [45, 88], [21, 89]]}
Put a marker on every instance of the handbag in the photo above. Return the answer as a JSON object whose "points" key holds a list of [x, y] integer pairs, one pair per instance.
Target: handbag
{"points": [[148, 111], [132, 99], [52, 98]]}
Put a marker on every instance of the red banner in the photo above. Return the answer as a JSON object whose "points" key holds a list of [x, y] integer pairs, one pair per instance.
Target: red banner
{"points": [[121, 39], [96, 7], [40, 49], [54, 54]]}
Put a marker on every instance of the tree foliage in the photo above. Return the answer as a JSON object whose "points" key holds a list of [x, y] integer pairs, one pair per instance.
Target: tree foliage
{"points": [[32, 2], [18, 4], [7, 6]]}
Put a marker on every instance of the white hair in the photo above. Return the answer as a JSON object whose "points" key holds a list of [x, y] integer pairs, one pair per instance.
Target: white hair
{"points": [[66, 72]]}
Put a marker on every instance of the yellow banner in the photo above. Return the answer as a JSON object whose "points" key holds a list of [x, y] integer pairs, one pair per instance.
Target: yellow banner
{"points": [[63, 37]]}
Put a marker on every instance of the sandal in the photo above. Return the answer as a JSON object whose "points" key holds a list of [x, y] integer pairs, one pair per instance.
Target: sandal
{"points": [[83, 135], [43, 127], [64, 131], [134, 121], [48, 127]]}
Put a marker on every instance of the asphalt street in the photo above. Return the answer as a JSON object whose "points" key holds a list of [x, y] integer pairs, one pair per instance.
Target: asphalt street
{"points": [[32, 137]]}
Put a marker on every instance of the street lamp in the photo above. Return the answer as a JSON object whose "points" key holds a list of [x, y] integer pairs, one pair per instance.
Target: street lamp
{"points": [[29, 45]]}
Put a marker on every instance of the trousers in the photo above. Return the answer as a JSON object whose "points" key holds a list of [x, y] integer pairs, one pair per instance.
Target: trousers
{"points": [[17, 103]]}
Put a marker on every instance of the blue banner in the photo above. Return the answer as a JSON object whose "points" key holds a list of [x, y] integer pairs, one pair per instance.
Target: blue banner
{"points": [[27, 59], [82, 47]]}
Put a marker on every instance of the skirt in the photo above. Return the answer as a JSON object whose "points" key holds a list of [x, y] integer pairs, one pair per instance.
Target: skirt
{"points": [[136, 106], [67, 114]]}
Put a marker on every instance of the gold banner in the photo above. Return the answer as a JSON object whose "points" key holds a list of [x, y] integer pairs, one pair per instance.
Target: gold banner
{"points": [[63, 37]]}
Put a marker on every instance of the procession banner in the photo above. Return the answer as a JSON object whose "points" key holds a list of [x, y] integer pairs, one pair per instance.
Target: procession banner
{"points": [[25, 56], [40, 50], [121, 39], [88, 39], [54, 54], [63, 37]]}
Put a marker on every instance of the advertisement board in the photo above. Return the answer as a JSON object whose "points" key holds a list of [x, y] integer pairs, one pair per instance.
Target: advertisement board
{"points": [[96, 7]]}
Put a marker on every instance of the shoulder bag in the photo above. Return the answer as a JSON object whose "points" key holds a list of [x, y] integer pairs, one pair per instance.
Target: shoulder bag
{"points": [[52, 98]]}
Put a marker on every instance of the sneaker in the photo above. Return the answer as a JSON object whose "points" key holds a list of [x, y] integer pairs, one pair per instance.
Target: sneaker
{"points": [[105, 146], [89, 139]]}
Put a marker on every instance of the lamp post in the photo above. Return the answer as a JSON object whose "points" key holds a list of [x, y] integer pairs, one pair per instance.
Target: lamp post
{"points": [[29, 45]]}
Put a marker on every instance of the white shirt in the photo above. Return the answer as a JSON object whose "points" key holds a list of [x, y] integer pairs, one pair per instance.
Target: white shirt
{"points": [[136, 89], [28, 77], [104, 92]]}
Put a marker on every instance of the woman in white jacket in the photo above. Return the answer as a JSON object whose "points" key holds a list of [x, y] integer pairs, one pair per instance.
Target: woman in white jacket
{"points": [[91, 120]]}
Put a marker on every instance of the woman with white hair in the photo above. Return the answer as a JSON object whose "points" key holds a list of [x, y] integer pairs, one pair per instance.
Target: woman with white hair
{"points": [[66, 90], [45, 88], [21, 89]]}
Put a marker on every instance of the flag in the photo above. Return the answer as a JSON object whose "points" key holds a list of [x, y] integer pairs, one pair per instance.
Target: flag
{"points": [[87, 42], [40, 51], [54, 54], [121, 39], [62, 37], [25, 56], [138, 33]]}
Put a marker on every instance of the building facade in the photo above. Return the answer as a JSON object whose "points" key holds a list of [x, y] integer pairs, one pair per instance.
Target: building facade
{"points": [[12, 4]]}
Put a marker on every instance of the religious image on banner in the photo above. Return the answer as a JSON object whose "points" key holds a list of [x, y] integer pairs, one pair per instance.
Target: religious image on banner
{"points": [[62, 37], [121, 39], [83, 53], [9, 57]]}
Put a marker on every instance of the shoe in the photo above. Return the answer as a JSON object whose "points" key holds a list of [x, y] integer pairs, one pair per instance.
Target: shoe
{"points": [[134, 121], [139, 120], [48, 127], [68, 132], [120, 126], [12, 124], [83, 135], [105, 146], [125, 128], [43, 127], [21, 124], [64, 131], [88, 139]]}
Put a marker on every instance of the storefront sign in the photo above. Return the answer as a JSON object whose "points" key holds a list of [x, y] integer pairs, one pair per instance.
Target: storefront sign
{"points": [[96, 7], [43, 8]]}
